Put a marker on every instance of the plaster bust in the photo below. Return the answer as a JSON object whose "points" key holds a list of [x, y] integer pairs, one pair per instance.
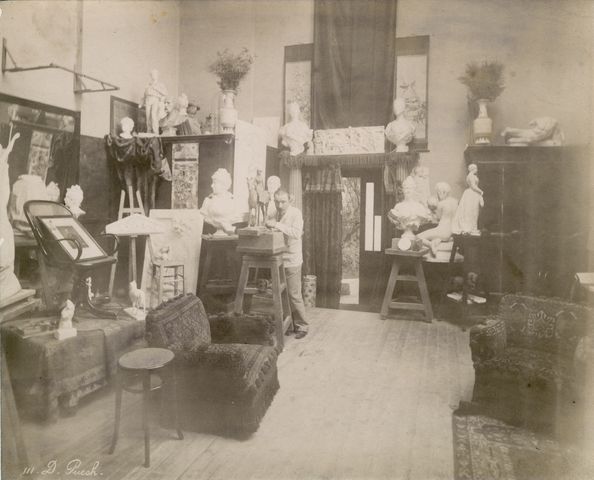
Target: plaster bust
{"points": [[296, 133], [219, 207], [73, 200], [127, 125], [409, 214], [400, 132]]}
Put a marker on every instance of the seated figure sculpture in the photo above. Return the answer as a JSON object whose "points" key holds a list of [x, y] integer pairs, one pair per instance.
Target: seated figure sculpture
{"points": [[542, 131], [400, 131], [444, 212], [296, 133], [219, 208]]}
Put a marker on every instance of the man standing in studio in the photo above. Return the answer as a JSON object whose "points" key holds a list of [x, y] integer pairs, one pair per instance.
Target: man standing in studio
{"points": [[289, 221]]}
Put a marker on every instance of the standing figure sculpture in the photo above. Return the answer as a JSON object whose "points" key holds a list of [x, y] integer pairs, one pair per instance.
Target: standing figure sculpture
{"points": [[444, 212], [154, 102], [400, 131], [296, 134], [466, 217], [9, 284]]}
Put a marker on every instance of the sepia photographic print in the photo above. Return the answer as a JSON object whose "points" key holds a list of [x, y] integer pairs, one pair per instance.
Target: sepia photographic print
{"points": [[375, 247]]}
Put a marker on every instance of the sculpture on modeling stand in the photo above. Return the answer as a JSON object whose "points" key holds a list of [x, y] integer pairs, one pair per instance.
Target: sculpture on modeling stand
{"points": [[272, 185], [219, 208], [154, 102], [467, 213], [445, 208], [409, 214], [9, 284], [401, 131], [296, 134]]}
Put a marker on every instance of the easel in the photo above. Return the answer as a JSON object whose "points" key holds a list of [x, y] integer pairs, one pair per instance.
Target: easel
{"points": [[129, 210]]}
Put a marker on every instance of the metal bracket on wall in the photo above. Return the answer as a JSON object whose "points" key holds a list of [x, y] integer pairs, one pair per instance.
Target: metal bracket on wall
{"points": [[79, 78]]}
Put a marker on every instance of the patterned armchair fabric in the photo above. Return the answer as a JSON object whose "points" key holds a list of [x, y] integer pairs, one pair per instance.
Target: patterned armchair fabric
{"points": [[530, 361], [225, 365]]}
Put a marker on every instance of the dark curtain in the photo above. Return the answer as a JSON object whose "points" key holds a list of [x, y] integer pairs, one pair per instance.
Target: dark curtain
{"points": [[322, 231], [354, 55]]}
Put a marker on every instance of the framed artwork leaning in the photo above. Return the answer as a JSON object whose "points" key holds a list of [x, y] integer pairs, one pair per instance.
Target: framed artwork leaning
{"points": [[412, 84], [70, 234]]}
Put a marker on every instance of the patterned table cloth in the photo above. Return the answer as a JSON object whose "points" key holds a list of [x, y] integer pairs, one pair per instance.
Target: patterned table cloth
{"points": [[47, 373]]}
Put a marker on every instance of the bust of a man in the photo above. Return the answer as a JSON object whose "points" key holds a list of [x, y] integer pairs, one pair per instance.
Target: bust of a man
{"points": [[400, 131], [127, 125], [296, 133]]}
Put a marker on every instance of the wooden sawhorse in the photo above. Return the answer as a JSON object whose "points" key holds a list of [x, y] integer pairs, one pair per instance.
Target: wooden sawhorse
{"points": [[280, 296], [399, 258]]}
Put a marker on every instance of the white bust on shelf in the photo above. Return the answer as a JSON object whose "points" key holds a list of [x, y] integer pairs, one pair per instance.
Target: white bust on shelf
{"points": [[401, 131], [296, 133], [219, 208], [73, 200]]}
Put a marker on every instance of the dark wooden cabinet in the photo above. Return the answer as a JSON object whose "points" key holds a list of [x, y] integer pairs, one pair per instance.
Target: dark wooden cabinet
{"points": [[537, 199]]}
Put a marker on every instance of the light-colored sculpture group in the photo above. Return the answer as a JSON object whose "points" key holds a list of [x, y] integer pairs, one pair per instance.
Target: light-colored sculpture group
{"points": [[419, 208]]}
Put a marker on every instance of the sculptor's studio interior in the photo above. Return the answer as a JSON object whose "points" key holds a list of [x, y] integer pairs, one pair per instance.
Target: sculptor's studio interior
{"points": [[312, 239]]}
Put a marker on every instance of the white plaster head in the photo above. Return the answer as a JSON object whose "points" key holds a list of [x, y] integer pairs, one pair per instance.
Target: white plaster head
{"points": [[154, 73], [273, 183], [221, 181], [443, 189], [472, 168], [399, 106], [74, 197], [127, 125], [53, 191]]}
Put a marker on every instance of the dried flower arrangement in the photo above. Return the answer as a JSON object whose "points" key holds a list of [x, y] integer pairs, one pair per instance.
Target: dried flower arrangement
{"points": [[484, 81], [231, 68]]}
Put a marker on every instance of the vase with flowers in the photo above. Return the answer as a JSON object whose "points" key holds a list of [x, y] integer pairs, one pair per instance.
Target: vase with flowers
{"points": [[231, 68], [485, 84]]}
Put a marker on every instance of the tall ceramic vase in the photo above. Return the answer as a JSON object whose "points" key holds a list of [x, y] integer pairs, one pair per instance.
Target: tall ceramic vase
{"points": [[482, 126], [227, 111]]}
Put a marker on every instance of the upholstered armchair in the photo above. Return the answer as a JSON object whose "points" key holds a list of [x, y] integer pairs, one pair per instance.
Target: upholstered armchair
{"points": [[225, 364], [532, 361]]}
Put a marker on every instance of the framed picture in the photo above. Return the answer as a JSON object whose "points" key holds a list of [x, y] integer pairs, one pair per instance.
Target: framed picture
{"points": [[412, 83], [67, 227], [297, 79], [120, 108]]}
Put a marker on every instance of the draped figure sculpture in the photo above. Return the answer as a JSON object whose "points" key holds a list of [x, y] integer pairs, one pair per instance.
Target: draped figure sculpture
{"points": [[9, 284], [466, 217], [154, 102]]}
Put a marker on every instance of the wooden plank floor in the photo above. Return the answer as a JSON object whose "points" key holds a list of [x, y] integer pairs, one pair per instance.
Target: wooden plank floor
{"points": [[360, 397]]}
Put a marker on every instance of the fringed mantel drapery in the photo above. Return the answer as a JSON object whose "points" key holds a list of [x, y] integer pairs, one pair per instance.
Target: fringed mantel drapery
{"points": [[396, 167], [138, 162]]}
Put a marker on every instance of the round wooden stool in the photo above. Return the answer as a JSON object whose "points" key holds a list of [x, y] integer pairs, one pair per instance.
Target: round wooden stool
{"points": [[147, 364]]}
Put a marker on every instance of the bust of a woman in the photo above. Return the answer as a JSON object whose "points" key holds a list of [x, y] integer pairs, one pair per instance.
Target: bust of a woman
{"points": [[219, 208], [400, 131], [409, 214], [296, 133]]}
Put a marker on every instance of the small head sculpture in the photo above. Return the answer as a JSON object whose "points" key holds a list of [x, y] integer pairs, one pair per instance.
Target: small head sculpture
{"points": [[154, 73], [73, 198], [273, 183], [472, 168], [443, 189], [221, 181], [399, 106], [193, 109], [127, 125]]}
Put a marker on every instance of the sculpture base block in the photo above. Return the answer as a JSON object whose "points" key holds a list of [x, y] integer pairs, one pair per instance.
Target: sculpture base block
{"points": [[63, 333], [135, 313], [256, 241]]}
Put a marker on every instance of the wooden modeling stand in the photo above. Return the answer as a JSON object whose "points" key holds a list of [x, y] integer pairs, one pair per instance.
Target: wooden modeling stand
{"points": [[399, 259], [280, 295], [132, 274], [220, 249]]}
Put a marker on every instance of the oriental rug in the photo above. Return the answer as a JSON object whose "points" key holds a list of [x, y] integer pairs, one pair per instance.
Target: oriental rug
{"points": [[485, 448]]}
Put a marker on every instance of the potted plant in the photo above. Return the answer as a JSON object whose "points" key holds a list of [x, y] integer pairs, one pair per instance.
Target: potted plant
{"points": [[231, 68], [485, 84]]}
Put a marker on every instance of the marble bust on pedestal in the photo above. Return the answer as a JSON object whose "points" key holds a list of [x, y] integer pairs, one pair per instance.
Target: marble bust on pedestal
{"points": [[219, 208], [296, 133], [401, 131]]}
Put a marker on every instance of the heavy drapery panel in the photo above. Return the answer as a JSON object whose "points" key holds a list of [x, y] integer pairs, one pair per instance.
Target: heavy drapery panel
{"points": [[354, 55], [322, 249]]}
